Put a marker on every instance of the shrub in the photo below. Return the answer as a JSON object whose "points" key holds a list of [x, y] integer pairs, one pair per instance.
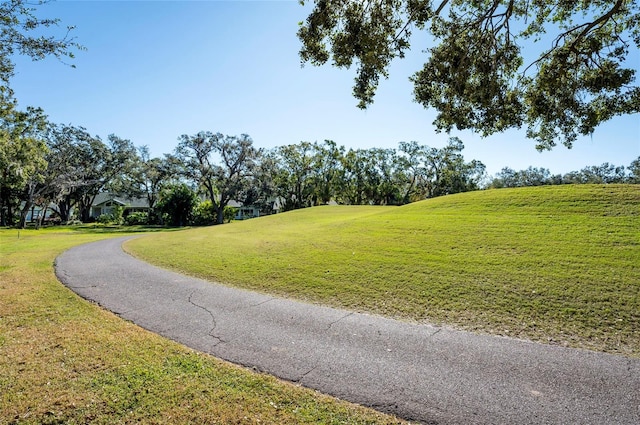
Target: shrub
{"points": [[117, 215], [177, 204], [230, 213], [136, 218], [104, 219], [204, 214]]}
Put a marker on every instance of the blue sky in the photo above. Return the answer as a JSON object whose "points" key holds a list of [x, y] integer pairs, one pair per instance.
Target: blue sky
{"points": [[154, 70]]}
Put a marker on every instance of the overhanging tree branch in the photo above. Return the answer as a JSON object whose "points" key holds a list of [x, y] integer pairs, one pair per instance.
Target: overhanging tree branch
{"points": [[475, 76]]}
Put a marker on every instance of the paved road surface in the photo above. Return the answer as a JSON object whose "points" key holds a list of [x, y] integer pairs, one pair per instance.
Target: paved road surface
{"points": [[422, 373]]}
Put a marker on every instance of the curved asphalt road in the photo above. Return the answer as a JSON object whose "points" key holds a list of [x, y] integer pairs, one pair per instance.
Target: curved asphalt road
{"points": [[418, 372]]}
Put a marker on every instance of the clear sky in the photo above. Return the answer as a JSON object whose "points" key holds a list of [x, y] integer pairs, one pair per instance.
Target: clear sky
{"points": [[154, 70]]}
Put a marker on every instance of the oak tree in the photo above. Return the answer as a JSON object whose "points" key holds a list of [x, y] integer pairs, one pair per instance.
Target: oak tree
{"points": [[221, 165], [559, 68]]}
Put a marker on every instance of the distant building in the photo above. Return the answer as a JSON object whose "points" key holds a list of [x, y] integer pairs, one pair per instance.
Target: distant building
{"points": [[36, 213], [244, 212], [105, 203]]}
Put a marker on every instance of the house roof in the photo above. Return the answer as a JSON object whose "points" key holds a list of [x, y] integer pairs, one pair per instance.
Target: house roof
{"points": [[125, 201]]}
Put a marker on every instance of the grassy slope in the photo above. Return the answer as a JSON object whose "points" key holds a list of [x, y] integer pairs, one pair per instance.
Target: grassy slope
{"points": [[64, 360], [555, 264]]}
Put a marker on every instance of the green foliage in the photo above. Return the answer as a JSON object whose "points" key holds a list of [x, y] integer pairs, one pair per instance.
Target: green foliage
{"points": [[136, 218], [221, 181], [555, 264], [21, 32], [475, 75], [594, 174], [118, 212], [105, 219], [177, 203], [115, 217], [204, 214], [81, 166], [309, 174], [293, 175], [435, 172], [373, 176], [634, 171], [145, 177], [22, 160], [230, 213]]}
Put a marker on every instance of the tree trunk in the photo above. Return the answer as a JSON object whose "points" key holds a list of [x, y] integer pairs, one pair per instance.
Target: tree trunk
{"points": [[41, 218], [23, 214], [9, 219], [64, 209], [220, 214]]}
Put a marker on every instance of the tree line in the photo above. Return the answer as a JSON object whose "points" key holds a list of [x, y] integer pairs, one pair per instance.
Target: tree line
{"points": [[594, 174], [64, 168]]}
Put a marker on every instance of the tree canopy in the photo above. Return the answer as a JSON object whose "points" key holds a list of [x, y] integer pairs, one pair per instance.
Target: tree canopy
{"points": [[558, 68], [224, 180], [22, 32]]}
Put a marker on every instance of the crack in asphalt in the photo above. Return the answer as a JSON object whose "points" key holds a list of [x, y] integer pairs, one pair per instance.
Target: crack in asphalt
{"points": [[218, 339], [261, 303], [83, 287], [304, 375], [338, 320], [250, 306]]}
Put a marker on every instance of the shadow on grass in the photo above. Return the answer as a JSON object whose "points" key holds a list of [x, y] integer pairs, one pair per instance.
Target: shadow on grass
{"points": [[99, 228], [107, 228]]}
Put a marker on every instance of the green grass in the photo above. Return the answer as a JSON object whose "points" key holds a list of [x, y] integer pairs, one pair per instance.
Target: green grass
{"points": [[66, 361], [557, 264]]}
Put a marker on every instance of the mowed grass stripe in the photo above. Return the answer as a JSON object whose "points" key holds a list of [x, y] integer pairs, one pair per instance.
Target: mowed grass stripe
{"points": [[556, 264], [64, 360]]}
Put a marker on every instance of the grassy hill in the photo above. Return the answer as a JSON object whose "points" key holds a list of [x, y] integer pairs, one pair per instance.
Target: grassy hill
{"points": [[557, 264]]}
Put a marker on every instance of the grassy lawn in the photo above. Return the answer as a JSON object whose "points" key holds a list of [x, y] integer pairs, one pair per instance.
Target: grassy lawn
{"points": [[64, 360], [557, 264]]}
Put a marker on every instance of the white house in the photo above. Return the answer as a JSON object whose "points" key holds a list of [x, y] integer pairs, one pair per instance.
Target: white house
{"points": [[252, 211]]}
